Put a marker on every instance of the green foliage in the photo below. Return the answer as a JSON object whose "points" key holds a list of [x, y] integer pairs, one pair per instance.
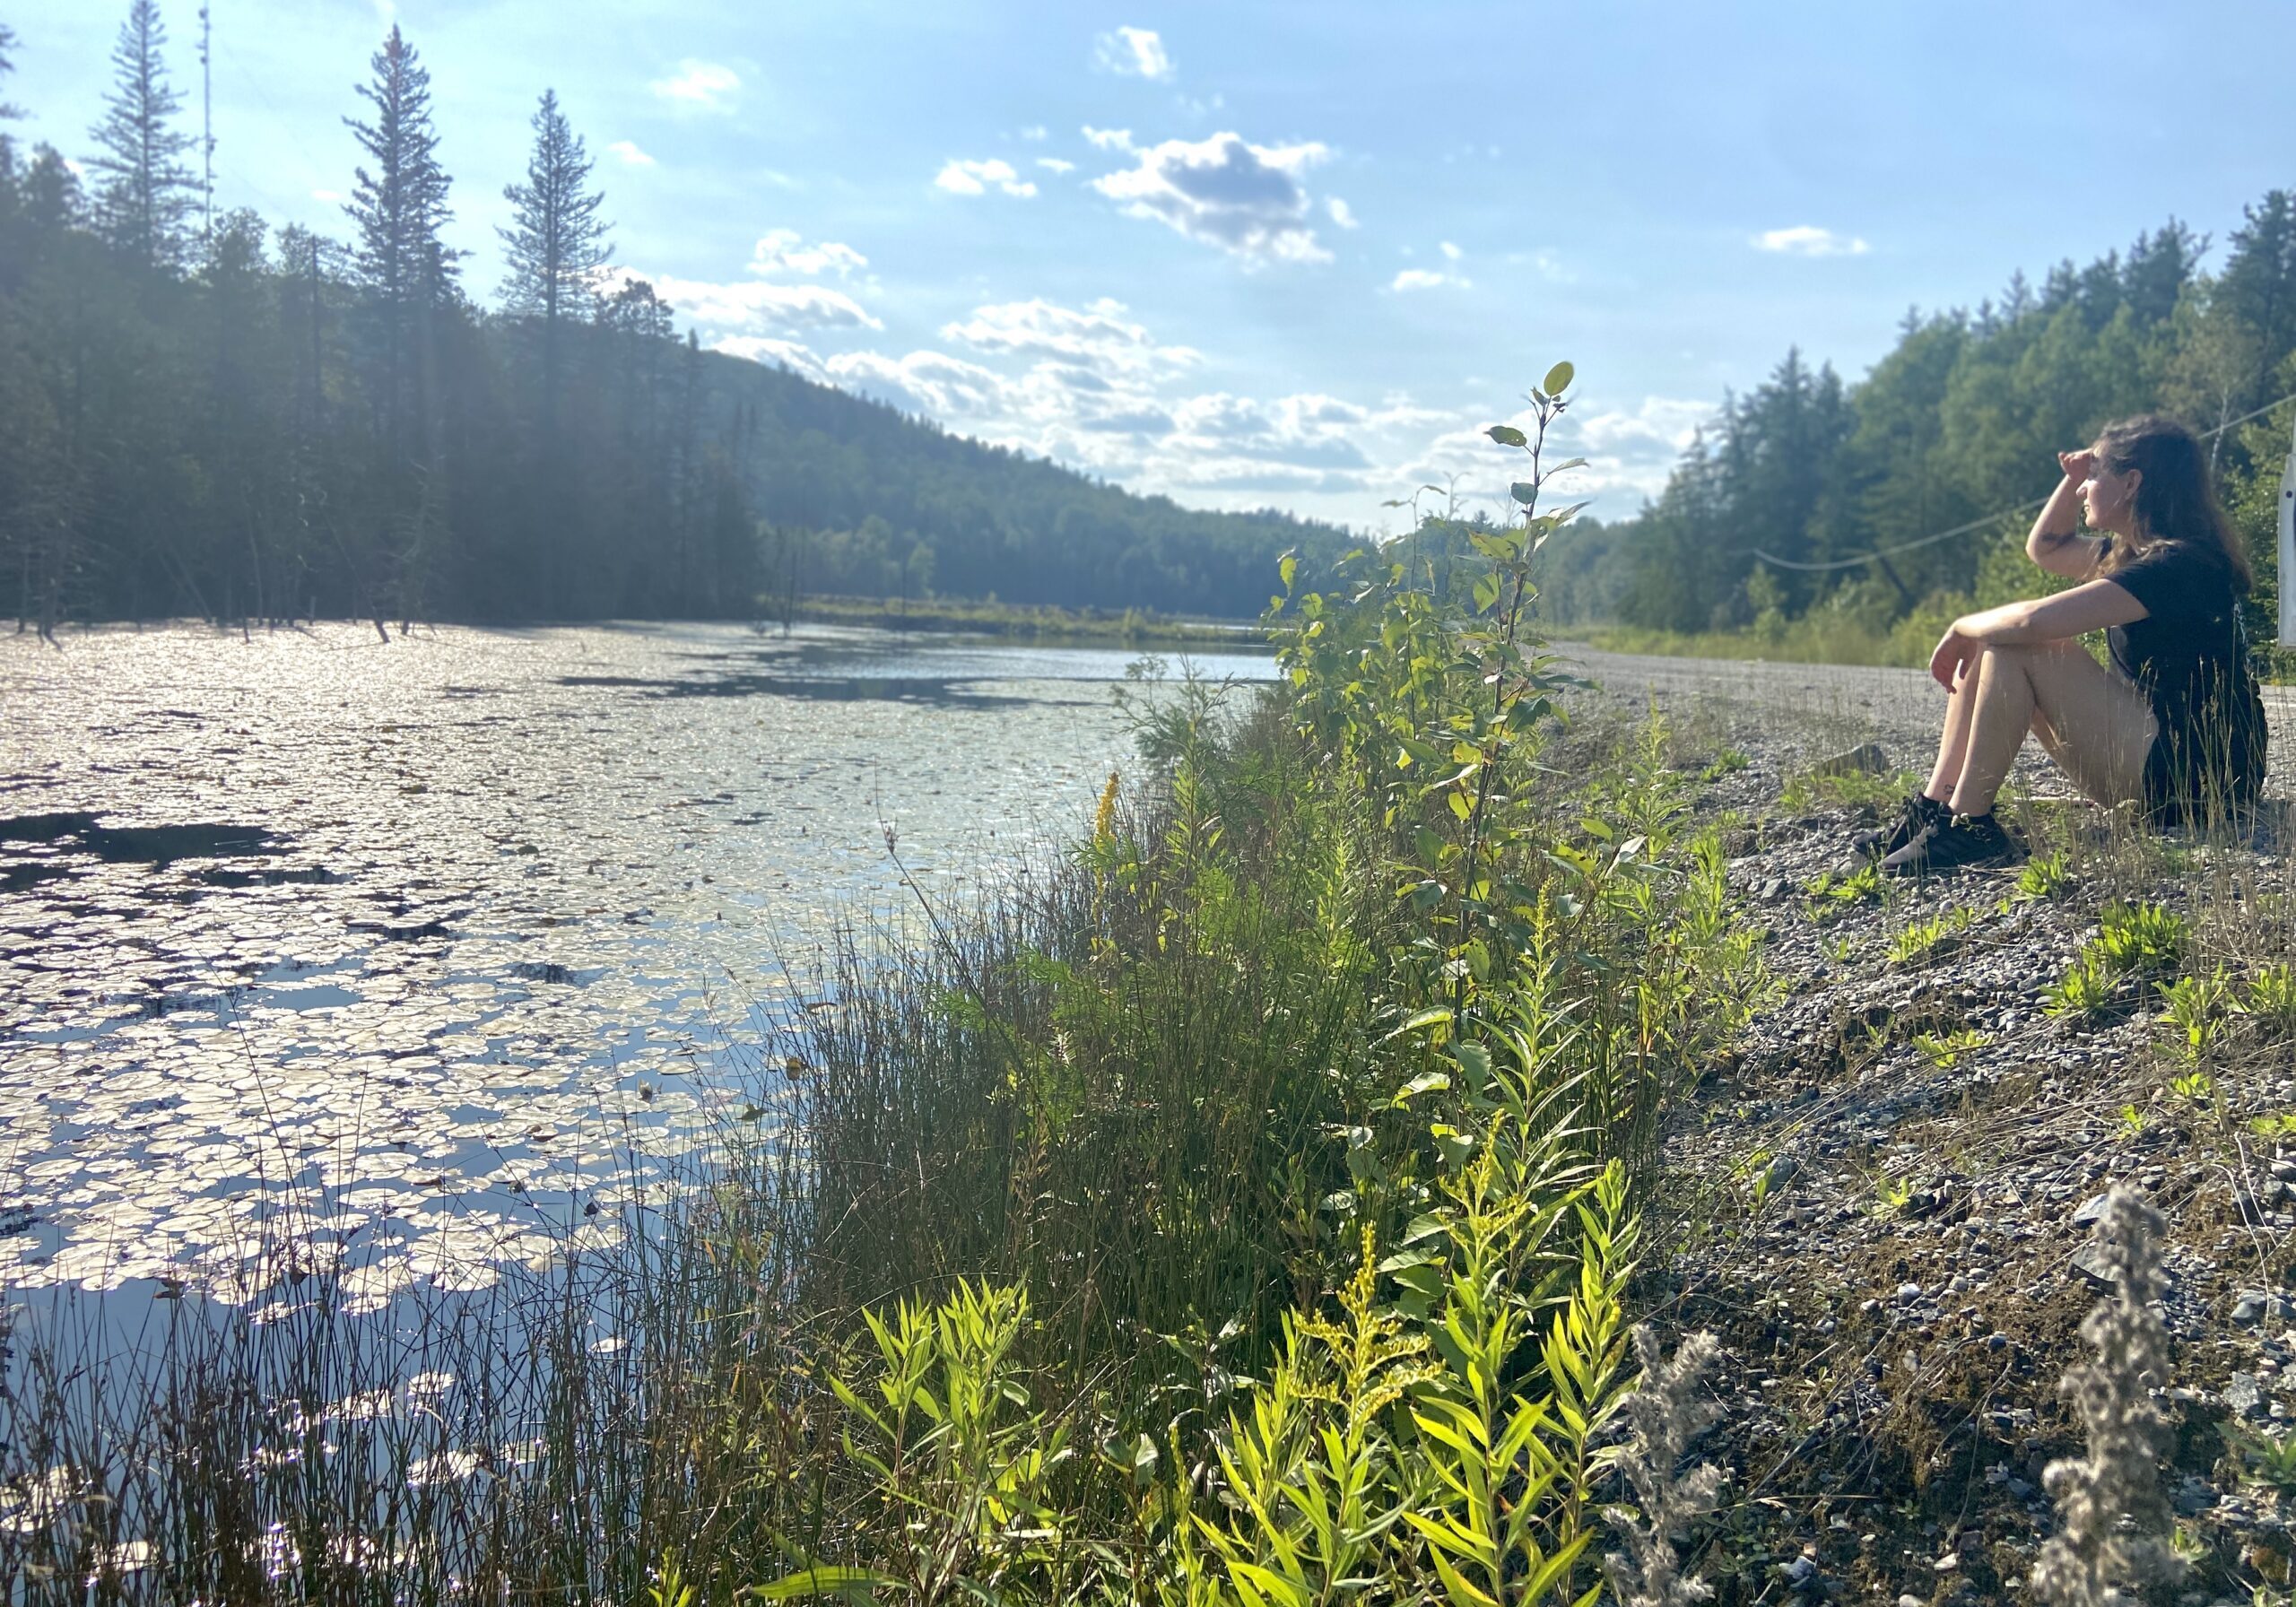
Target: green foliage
{"points": [[1924, 940], [2086, 988], [2271, 997], [2266, 1457], [1945, 1050], [2043, 876], [2141, 937], [2196, 1007], [1847, 789], [1831, 894]]}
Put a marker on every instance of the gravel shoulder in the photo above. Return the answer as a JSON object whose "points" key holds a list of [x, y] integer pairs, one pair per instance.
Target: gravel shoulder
{"points": [[1881, 1203]]}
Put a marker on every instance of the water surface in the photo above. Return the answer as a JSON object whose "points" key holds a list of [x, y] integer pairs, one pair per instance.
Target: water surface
{"points": [[440, 945]]}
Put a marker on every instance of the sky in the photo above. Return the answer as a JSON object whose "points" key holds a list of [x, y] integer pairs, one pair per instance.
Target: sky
{"points": [[1277, 254]]}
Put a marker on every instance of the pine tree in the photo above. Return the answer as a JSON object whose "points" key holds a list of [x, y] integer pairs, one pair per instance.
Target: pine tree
{"points": [[148, 193], [556, 241], [8, 66], [2258, 285], [399, 208]]}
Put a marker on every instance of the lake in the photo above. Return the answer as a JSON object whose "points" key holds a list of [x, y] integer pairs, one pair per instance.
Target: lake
{"points": [[439, 949]]}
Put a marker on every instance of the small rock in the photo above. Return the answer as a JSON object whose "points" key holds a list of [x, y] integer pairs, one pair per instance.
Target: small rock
{"points": [[2092, 1210], [1912, 1291], [2244, 1397], [1866, 758], [2094, 1262], [1800, 1572], [1948, 1562], [2248, 1306]]}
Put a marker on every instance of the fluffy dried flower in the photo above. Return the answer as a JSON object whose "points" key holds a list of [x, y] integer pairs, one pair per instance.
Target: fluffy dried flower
{"points": [[2113, 1521], [1663, 1415]]}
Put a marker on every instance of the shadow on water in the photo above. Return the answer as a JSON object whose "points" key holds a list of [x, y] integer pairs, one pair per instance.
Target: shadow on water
{"points": [[139, 844]]}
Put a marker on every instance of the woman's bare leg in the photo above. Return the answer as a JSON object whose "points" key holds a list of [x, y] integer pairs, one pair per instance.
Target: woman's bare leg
{"points": [[2095, 725], [1954, 746]]}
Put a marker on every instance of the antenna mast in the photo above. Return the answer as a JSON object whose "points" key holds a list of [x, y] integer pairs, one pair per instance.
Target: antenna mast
{"points": [[207, 129]]}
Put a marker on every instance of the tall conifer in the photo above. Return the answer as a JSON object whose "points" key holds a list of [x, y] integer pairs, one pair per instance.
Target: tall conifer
{"points": [[147, 190], [556, 241], [398, 206]]}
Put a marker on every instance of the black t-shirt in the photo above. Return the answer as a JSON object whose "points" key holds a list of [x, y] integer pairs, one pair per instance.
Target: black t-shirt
{"points": [[2189, 654]]}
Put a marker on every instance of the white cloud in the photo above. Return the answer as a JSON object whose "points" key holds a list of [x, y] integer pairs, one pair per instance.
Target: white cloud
{"points": [[931, 380], [1452, 252], [1035, 131], [1054, 164], [754, 304], [1096, 337], [1428, 279], [1108, 139], [703, 83], [783, 249], [1808, 241], [1225, 191], [974, 178], [1339, 212], [1133, 53], [766, 348], [331, 197], [631, 156]]}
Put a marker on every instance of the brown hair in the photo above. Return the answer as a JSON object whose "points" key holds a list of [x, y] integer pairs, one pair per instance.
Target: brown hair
{"points": [[2176, 501]]}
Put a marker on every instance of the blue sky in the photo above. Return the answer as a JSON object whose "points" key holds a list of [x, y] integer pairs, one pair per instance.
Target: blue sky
{"points": [[1291, 254]]}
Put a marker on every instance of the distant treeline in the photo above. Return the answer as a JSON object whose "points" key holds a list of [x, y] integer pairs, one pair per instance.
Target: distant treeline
{"points": [[199, 414], [1962, 417]]}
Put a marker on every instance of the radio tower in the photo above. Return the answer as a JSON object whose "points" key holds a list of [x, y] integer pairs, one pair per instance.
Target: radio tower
{"points": [[206, 133]]}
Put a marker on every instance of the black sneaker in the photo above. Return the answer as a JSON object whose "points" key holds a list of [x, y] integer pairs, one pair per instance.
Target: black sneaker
{"points": [[1951, 843], [1918, 811]]}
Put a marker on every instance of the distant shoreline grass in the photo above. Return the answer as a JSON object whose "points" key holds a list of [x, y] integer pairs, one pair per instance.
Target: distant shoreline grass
{"points": [[1801, 642], [1082, 627]]}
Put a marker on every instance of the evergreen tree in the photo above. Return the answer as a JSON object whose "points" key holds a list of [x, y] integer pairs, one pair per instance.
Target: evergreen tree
{"points": [[556, 241], [148, 193], [8, 113], [2258, 285], [398, 208]]}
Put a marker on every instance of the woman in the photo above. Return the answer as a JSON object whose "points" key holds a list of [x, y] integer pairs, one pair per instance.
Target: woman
{"points": [[2175, 724]]}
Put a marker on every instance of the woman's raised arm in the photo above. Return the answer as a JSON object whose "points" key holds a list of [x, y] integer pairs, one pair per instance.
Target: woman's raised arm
{"points": [[2057, 543]]}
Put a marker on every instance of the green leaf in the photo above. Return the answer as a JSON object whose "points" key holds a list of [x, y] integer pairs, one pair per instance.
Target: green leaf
{"points": [[1507, 434], [1525, 491], [852, 1584], [1287, 565], [1558, 379], [1569, 463]]}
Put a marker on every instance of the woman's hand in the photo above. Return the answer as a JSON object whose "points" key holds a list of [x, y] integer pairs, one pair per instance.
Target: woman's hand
{"points": [[2078, 466], [1954, 655]]}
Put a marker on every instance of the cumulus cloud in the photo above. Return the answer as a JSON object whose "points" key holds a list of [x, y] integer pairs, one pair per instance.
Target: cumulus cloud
{"points": [[1339, 212], [1108, 139], [1225, 191], [707, 84], [1133, 53], [1097, 336], [1035, 131], [769, 349], [930, 380], [1808, 239], [780, 250], [1452, 252], [1054, 164], [631, 156], [1633, 450], [754, 304], [1428, 279], [975, 178]]}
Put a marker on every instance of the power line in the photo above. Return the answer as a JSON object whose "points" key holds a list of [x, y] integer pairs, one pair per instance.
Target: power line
{"points": [[1881, 552]]}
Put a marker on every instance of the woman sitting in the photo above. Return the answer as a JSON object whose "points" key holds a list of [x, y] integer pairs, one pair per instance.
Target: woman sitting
{"points": [[2175, 724]]}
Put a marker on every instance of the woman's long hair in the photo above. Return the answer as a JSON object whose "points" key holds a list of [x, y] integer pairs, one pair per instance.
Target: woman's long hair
{"points": [[2176, 501]]}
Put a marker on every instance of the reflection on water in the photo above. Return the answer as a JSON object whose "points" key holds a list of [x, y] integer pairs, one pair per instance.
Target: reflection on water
{"points": [[438, 948]]}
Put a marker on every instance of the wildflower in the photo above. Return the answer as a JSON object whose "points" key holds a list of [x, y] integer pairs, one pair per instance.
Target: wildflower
{"points": [[1104, 820]]}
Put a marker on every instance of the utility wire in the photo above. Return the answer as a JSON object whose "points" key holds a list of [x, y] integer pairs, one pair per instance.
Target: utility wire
{"points": [[1850, 563]]}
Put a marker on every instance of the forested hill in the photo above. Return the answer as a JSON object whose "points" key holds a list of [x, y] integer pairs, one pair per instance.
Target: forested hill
{"points": [[1845, 482], [201, 415], [856, 494]]}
